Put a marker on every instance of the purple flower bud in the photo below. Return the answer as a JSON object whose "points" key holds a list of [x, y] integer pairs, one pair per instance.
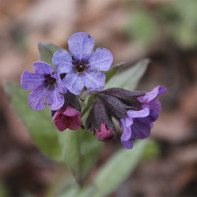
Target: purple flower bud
{"points": [[104, 134], [68, 118], [97, 116]]}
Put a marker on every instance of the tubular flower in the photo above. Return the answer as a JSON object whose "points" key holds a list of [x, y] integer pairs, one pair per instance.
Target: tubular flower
{"points": [[107, 104], [83, 65], [104, 134], [137, 124], [99, 122], [68, 118], [43, 84]]}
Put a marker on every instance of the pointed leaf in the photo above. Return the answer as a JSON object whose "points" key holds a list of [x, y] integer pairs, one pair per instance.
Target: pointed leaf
{"points": [[128, 78], [80, 150], [109, 74], [46, 51], [117, 169], [38, 123]]}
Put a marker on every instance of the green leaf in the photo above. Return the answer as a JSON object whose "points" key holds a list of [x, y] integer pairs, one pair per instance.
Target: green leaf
{"points": [[117, 170], [80, 149], [38, 123], [142, 26], [3, 190], [109, 74], [68, 192], [129, 78], [46, 51], [87, 108]]}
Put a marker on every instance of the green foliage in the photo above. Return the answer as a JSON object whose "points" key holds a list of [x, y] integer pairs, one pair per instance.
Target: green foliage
{"points": [[80, 150], [110, 73], [3, 190], [129, 78], [68, 192], [38, 123], [46, 51], [117, 169], [152, 151], [142, 27], [180, 18]]}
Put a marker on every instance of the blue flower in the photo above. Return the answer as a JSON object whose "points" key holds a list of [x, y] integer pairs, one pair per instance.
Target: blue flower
{"points": [[83, 65], [138, 124], [43, 84]]}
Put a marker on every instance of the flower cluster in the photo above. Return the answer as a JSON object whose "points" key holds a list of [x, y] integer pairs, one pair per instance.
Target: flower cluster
{"points": [[82, 69]]}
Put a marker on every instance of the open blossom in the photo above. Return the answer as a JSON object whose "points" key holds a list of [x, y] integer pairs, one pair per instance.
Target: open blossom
{"points": [[83, 65], [68, 118], [151, 102], [134, 127], [46, 87], [104, 134], [138, 124]]}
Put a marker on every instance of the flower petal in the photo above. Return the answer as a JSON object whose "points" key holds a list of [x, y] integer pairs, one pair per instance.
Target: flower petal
{"points": [[55, 100], [57, 115], [60, 86], [81, 45], [138, 114], [74, 83], [127, 144], [70, 111], [140, 129], [31, 81], [101, 60], [62, 61], [94, 81], [36, 98], [126, 130], [149, 96], [155, 108], [74, 122], [104, 134], [67, 120], [42, 68], [61, 123]]}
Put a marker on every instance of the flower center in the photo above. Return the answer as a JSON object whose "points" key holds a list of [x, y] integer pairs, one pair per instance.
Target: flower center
{"points": [[50, 80], [80, 66]]}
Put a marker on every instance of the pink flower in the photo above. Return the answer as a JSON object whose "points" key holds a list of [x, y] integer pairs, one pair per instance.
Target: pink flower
{"points": [[104, 134], [67, 118]]}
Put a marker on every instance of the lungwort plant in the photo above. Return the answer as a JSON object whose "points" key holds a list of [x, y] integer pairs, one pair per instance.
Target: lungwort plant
{"points": [[82, 109]]}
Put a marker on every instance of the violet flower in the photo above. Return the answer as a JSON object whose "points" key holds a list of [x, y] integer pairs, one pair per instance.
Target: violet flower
{"points": [[83, 65], [67, 118], [43, 84], [137, 124]]}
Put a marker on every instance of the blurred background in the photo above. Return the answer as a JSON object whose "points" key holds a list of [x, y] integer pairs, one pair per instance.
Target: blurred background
{"points": [[163, 30]]}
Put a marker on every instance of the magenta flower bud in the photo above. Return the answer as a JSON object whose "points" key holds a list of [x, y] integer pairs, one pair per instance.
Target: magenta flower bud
{"points": [[104, 134], [68, 118]]}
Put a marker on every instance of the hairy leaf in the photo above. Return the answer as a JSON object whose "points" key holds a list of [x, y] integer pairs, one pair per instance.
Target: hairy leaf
{"points": [[38, 123], [80, 150], [129, 78], [46, 51]]}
